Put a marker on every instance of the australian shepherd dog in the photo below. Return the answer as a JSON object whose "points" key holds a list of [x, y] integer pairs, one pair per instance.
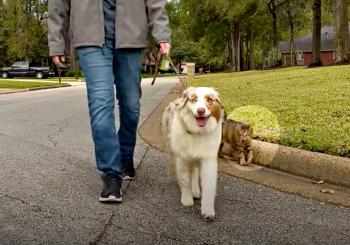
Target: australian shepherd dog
{"points": [[192, 125]]}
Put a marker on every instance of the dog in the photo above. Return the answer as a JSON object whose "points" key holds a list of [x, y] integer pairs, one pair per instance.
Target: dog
{"points": [[192, 125]]}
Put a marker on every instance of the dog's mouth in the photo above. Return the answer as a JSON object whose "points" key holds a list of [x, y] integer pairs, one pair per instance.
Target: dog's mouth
{"points": [[201, 121]]}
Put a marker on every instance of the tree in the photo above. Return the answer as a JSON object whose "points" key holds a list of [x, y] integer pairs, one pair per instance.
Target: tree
{"points": [[342, 32], [316, 34], [2, 35], [294, 22], [273, 6], [26, 31]]}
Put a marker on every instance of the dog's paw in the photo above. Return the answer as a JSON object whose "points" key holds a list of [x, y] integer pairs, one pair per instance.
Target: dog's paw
{"points": [[208, 214], [196, 193], [187, 201], [209, 218]]}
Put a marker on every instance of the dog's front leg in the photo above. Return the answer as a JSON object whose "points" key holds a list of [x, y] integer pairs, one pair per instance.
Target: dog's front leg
{"points": [[196, 191], [208, 175], [184, 179]]}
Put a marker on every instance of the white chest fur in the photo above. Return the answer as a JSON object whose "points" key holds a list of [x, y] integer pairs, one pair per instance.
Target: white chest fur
{"points": [[194, 145]]}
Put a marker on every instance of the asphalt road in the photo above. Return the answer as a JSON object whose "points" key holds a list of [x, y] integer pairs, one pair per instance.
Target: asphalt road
{"points": [[49, 188]]}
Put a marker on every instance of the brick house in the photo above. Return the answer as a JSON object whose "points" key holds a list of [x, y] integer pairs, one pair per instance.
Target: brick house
{"points": [[304, 48]]}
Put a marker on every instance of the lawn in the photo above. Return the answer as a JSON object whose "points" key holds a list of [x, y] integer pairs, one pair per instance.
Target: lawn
{"points": [[67, 79], [306, 108], [13, 84]]}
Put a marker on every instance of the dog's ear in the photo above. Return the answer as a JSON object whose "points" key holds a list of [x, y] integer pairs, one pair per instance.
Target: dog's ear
{"points": [[217, 97]]}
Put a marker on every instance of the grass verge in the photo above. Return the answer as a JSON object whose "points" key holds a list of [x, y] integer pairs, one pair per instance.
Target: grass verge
{"points": [[13, 84], [298, 107]]}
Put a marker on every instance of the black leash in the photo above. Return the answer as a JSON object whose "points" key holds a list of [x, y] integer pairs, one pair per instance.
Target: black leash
{"points": [[60, 68]]}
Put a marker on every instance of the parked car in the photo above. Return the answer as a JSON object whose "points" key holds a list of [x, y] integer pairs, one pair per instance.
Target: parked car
{"points": [[26, 69]]}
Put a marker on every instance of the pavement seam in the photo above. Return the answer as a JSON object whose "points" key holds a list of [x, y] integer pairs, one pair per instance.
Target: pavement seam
{"points": [[110, 219], [105, 227]]}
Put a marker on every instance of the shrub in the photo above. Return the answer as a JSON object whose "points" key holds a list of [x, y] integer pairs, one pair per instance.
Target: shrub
{"points": [[76, 73]]}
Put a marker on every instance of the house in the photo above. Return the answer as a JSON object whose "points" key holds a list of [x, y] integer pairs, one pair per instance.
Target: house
{"points": [[303, 48]]}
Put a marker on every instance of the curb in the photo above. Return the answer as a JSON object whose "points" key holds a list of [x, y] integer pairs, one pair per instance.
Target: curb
{"points": [[313, 165], [49, 87]]}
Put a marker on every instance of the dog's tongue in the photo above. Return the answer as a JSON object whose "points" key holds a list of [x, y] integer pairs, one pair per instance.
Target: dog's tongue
{"points": [[201, 121]]}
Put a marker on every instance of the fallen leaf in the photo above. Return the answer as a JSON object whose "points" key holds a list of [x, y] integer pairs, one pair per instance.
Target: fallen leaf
{"points": [[328, 191], [318, 182]]}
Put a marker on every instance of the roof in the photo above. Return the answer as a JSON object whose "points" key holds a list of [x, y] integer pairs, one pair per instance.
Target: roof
{"points": [[305, 44]]}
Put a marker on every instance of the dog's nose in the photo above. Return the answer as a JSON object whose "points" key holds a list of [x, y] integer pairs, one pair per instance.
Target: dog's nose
{"points": [[201, 111]]}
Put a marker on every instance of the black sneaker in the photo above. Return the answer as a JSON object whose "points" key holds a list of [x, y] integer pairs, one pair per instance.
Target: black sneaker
{"points": [[111, 189], [129, 172]]}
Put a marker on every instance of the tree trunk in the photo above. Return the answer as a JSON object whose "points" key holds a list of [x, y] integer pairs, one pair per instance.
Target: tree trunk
{"points": [[251, 50], [316, 34], [228, 60], [242, 56], [342, 29], [232, 48], [274, 30], [237, 41], [292, 37]]}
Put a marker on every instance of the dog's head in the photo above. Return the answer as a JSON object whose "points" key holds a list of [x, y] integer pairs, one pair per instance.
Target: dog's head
{"points": [[201, 109]]}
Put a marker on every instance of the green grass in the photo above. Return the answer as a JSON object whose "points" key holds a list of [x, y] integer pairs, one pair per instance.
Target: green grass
{"points": [[147, 75], [13, 84], [298, 107], [67, 79]]}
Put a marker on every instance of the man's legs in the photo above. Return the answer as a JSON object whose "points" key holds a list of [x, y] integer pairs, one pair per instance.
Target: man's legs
{"points": [[127, 68], [97, 66]]}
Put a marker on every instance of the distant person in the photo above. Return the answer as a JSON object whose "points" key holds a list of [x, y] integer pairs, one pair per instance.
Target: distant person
{"points": [[109, 36]]}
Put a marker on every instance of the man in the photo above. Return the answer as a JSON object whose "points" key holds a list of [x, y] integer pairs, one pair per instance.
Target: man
{"points": [[109, 36]]}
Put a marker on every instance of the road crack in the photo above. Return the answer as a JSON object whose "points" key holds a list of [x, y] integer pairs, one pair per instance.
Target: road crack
{"points": [[33, 207], [58, 132], [105, 227]]}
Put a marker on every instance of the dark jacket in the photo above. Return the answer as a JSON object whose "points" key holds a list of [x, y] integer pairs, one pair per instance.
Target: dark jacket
{"points": [[83, 22]]}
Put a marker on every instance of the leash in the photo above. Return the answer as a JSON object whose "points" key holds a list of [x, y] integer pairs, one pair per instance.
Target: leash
{"points": [[60, 68], [182, 80]]}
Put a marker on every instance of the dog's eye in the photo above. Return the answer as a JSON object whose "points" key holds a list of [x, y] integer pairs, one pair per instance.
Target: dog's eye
{"points": [[210, 100], [193, 99]]}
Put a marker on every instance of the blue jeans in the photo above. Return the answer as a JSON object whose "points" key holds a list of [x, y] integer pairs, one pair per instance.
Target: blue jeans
{"points": [[106, 70]]}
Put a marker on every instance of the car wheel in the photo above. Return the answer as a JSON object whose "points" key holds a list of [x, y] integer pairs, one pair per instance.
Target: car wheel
{"points": [[4, 75], [39, 75]]}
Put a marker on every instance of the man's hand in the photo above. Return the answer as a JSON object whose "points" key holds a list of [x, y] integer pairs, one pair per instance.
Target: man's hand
{"points": [[58, 59], [164, 48], [59, 62]]}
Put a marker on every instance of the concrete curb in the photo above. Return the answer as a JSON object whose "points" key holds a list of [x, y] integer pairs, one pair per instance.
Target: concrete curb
{"points": [[49, 87], [313, 165]]}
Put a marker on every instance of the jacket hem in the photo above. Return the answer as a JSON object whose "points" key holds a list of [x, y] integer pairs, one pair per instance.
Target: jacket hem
{"points": [[98, 44]]}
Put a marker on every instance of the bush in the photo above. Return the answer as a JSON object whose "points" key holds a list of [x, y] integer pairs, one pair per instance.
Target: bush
{"points": [[76, 73]]}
